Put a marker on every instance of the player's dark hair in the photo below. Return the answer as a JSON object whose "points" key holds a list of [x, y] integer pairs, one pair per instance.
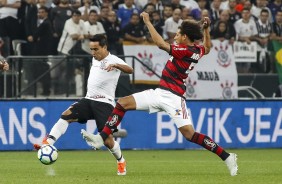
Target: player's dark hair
{"points": [[191, 29], [101, 38]]}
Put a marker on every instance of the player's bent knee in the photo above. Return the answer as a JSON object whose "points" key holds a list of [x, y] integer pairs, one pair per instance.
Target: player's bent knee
{"points": [[67, 112], [127, 103], [69, 116], [121, 102]]}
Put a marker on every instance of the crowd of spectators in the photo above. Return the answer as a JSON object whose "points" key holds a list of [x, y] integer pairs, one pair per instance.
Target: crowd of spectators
{"points": [[63, 27]]}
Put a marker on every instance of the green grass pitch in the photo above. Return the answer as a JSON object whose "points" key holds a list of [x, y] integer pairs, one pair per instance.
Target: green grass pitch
{"points": [[256, 166]]}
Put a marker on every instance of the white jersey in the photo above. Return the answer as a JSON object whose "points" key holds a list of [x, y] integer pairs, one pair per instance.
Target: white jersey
{"points": [[170, 26], [8, 11], [245, 29], [92, 30], [66, 42], [255, 11], [101, 85]]}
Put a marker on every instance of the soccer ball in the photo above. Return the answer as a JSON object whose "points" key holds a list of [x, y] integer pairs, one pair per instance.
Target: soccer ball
{"points": [[47, 154]]}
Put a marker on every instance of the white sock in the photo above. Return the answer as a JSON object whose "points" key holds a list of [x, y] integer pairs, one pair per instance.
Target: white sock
{"points": [[58, 129], [116, 152]]}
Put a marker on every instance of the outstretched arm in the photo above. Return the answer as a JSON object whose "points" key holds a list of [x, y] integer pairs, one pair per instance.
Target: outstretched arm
{"points": [[121, 67], [158, 40], [206, 32]]}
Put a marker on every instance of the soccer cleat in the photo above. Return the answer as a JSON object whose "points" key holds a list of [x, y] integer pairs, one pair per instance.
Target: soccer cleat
{"points": [[231, 163], [95, 141], [36, 146], [44, 141], [121, 168]]}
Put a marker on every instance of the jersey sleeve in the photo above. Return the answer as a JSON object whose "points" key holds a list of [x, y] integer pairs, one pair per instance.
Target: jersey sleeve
{"points": [[120, 61], [69, 28], [101, 28], [255, 30], [202, 50], [85, 30], [237, 27]]}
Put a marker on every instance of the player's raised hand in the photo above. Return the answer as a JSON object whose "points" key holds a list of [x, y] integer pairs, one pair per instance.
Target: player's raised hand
{"points": [[145, 17], [206, 22]]}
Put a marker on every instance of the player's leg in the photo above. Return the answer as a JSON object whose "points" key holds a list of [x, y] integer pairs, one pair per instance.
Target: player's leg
{"points": [[114, 148], [58, 129], [209, 144], [101, 112], [61, 126], [109, 125], [77, 112], [123, 104], [145, 100], [203, 140], [183, 121]]}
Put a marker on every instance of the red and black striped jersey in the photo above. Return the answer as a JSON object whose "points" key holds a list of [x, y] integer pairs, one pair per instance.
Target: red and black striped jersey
{"points": [[182, 61]]}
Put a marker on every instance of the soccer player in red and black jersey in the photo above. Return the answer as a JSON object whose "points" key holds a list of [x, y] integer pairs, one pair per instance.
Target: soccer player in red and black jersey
{"points": [[185, 54]]}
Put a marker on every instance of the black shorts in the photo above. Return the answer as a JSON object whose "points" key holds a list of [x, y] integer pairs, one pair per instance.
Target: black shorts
{"points": [[86, 109]]}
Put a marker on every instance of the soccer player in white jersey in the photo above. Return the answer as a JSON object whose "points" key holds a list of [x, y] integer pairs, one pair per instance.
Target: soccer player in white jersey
{"points": [[99, 101]]}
